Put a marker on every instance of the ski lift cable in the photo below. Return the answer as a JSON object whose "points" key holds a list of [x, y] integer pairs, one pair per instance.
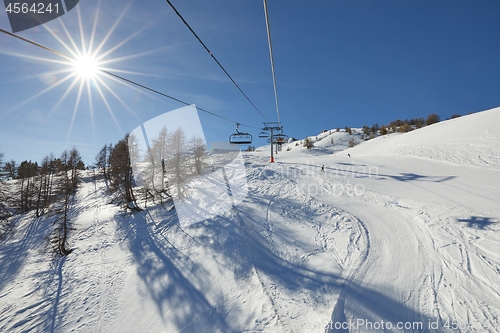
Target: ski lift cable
{"points": [[173, 98], [214, 58], [272, 60], [36, 44], [120, 77], [216, 41]]}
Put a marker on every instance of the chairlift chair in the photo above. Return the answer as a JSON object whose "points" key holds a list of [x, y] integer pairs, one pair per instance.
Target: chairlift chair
{"points": [[240, 138], [280, 138]]}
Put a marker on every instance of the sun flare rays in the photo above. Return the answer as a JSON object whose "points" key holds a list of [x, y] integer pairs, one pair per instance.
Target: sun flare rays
{"points": [[82, 69], [86, 67]]}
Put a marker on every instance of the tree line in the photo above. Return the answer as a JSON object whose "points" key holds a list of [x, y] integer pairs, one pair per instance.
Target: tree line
{"points": [[403, 126], [171, 160], [41, 188], [36, 186], [114, 163], [151, 172]]}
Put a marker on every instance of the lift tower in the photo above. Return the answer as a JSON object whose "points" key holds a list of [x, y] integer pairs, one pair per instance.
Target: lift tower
{"points": [[272, 126]]}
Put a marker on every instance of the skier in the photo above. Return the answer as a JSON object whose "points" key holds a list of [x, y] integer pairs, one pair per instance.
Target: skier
{"points": [[323, 168], [349, 155]]}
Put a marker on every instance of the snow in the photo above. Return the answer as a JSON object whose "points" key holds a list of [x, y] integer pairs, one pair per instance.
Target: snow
{"points": [[469, 140], [403, 232]]}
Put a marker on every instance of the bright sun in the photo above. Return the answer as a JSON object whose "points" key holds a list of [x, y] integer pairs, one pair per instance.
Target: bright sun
{"points": [[86, 67]]}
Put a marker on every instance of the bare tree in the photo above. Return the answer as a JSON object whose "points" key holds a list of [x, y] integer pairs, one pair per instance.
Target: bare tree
{"points": [[308, 143], [26, 172], [198, 151], [62, 230], [10, 169], [432, 119], [178, 161], [69, 163], [75, 163], [4, 213], [157, 156], [121, 171], [47, 170], [102, 161]]}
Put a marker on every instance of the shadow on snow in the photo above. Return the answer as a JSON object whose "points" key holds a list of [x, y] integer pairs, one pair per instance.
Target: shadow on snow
{"points": [[478, 222], [13, 254], [170, 277], [234, 241]]}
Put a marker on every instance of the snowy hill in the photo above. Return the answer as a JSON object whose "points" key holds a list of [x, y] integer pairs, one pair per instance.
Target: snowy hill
{"points": [[471, 140], [400, 237], [326, 142]]}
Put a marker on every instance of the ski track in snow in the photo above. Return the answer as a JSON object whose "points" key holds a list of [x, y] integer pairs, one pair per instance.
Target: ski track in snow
{"points": [[348, 260], [376, 237], [101, 279], [448, 288]]}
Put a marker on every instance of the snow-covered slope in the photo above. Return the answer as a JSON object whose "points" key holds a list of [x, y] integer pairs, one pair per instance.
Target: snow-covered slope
{"points": [[395, 238], [471, 140], [331, 141]]}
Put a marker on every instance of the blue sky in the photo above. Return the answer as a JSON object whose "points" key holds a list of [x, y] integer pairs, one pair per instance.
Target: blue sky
{"points": [[337, 63]]}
